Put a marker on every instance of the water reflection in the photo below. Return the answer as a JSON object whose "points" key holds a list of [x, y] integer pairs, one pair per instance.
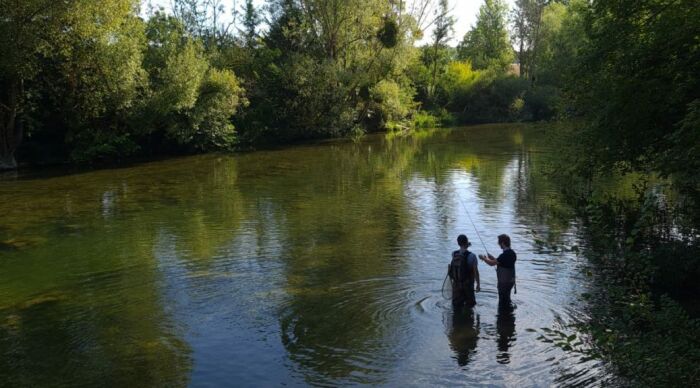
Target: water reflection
{"points": [[312, 265], [463, 327], [505, 327]]}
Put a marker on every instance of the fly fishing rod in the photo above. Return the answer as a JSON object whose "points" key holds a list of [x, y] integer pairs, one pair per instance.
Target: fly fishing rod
{"points": [[459, 197]]}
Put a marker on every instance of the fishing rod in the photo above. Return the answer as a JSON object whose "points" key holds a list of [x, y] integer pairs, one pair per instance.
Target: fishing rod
{"points": [[459, 197], [444, 282]]}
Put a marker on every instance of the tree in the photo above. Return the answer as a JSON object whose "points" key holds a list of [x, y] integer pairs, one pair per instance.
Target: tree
{"points": [[444, 27], [487, 45], [204, 19], [635, 81], [80, 59], [251, 21], [527, 22], [190, 102], [26, 31]]}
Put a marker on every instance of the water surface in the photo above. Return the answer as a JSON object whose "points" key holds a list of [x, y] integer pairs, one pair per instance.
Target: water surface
{"points": [[313, 265]]}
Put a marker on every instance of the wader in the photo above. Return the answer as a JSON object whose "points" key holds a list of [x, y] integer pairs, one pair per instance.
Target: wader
{"points": [[462, 281], [506, 280]]}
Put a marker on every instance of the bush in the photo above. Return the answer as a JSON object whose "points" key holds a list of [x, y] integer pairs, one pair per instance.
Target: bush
{"points": [[391, 103], [541, 102], [219, 98], [423, 119], [494, 100]]}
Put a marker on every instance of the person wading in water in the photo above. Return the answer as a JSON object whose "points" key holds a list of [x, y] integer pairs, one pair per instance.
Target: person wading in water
{"points": [[505, 270], [463, 272]]}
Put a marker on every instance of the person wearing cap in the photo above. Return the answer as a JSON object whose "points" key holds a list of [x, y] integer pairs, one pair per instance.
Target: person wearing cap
{"points": [[464, 274], [505, 270]]}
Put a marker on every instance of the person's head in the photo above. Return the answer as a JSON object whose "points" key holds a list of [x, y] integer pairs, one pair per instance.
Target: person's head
{"points": [[504, 241], [463, 241]]}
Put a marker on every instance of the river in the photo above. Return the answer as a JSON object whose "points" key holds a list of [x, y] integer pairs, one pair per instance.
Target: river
{"points": [[311, 265]]}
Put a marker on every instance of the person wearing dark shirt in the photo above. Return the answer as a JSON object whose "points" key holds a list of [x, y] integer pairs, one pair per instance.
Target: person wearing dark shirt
{"points": [[505, 270]]}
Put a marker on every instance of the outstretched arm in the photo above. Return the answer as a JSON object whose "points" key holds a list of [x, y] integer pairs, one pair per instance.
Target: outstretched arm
{"points": [[490, 260]]}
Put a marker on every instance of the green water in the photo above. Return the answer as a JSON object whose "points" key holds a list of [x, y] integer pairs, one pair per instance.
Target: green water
{"points": [[318, 264]]}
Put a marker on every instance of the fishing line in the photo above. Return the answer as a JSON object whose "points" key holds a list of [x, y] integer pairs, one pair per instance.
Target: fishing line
{"points": [[447, 284], [459, 197]]}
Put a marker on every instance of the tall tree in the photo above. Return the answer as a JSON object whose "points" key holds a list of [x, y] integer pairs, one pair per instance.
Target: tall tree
{"points": [[526, 19], [251, 21], [487, 45], [82, 57], [26, 30], [442, 33]]}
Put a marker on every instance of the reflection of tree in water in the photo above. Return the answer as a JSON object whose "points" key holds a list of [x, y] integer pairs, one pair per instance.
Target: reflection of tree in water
{"points": [[463, 328], [342, 216], [537, 201], [344, 219], [213, 212], [505, 327], [486, 159], [99, 323]]}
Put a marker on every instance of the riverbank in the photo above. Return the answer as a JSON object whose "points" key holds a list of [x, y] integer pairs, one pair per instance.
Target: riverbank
{"points": [[644, 234]]}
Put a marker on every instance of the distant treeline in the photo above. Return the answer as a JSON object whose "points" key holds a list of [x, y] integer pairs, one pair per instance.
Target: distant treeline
{"points": [[86, 81]]}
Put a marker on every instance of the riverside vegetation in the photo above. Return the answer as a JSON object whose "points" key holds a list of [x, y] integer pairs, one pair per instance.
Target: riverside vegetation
{"points": [[85, 81]]}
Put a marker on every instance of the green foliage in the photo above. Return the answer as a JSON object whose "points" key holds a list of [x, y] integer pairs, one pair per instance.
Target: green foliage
{"points": [[638, 74], [487, 45], [210, 120], [92, 78], [460, 79], [424, 119], [643, 243], [190, 102], [177, 84], [427, 120], [391, 103], [389, 33]]}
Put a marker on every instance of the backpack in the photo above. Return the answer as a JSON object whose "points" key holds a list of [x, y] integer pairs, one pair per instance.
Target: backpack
{"points": [[460, 268]]}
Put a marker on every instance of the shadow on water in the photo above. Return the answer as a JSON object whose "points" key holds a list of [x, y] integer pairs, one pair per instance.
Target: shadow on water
{"points": [[505, 327], [463, 327]]}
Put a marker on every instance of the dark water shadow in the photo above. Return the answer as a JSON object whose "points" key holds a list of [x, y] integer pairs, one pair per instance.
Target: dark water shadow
{"points": [[463, 327], [505, 327]]}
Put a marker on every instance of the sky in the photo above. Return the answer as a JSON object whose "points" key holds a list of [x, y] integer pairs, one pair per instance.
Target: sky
{"points": [[464, 12]]}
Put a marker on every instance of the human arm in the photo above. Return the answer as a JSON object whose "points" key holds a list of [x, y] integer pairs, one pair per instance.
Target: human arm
{"points": [[490, 260], [476, 277]]}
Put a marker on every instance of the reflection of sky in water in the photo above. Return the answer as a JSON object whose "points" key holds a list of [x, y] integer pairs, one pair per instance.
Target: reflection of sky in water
{"points": [[316, 264], [224, 308]]}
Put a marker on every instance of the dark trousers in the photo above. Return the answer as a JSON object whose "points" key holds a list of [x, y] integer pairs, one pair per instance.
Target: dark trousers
{"points": [[463, 295], [504, 293]]}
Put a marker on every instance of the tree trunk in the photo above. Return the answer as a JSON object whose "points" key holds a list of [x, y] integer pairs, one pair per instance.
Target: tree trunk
{"points": [[535, 47], [11, 130], [521, 57]]}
